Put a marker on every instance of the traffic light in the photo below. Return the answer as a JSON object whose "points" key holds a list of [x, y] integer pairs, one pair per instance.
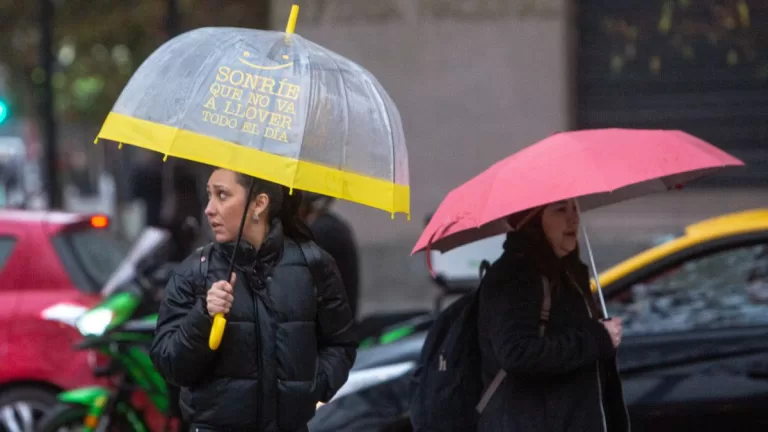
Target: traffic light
{"points": [[5, 111]]}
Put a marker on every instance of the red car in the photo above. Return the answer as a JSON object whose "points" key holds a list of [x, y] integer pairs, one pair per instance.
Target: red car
{"points": [[52, 267]]}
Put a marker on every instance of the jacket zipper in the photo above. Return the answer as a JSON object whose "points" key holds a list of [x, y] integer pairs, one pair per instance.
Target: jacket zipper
{"points": [[626, 411], [259, 361], [599, 383], [597, 369]]}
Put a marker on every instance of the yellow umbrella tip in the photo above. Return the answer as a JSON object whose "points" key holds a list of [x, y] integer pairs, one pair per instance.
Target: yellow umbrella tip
{"points": [[291, 26]]}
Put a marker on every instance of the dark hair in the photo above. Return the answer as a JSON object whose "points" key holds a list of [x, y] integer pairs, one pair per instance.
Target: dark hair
{"points": [[311, 202], [283, 205], [552, 266]]}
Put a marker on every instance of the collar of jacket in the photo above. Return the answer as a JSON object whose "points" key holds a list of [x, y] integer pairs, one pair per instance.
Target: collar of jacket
{"points": [[249, 257]]}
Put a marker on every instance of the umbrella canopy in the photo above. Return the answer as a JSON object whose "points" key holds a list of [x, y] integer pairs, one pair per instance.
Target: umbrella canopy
{"points": [[272, 105], [599, 167]]}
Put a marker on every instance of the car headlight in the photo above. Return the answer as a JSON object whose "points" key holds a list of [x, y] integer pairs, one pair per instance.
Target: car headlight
{"points": [[65, 313], [95, 322], [363, 379]]}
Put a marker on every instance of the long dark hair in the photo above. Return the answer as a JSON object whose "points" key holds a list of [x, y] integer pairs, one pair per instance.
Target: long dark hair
{"points": [[550, 265], [283, 205]]}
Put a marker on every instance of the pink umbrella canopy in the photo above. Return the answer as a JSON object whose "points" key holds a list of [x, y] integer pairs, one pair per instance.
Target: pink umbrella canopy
{"points": [[599, 167]]}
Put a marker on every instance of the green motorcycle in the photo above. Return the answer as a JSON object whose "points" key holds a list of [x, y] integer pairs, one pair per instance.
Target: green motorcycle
{"points": [[110, 330]]}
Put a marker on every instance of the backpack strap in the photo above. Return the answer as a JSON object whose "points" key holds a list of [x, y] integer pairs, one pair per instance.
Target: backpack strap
{"points": [[205, 258], [314, 258], [546, 305], [488, 394]]}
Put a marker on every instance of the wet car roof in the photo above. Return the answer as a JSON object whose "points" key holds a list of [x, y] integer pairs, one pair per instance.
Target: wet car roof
{"points": [[727, 225]]}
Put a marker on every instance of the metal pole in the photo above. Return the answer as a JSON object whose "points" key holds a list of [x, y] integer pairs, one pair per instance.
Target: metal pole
{"points": [[47, 115], [167, 189], [172, 19]]}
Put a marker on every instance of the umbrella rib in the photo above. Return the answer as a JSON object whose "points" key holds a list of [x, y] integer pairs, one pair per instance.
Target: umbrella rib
{"points": [[190, 103], [346, 118], [388, 119], [310, 102], [595, 167]]}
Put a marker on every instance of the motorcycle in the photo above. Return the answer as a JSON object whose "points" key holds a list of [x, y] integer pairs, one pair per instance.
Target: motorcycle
{"points": [[120, 330], [113, 329]]}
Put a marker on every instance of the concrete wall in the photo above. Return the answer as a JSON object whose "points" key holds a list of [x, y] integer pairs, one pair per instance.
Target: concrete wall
{"points": [[474, 81]]}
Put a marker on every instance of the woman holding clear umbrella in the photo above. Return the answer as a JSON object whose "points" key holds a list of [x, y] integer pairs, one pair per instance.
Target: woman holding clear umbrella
{"points": [[267, 108], [289, 342], [560, 373]]}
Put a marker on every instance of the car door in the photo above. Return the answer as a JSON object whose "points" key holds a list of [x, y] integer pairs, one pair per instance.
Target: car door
{"points": [[8, 296], [695, 348]]}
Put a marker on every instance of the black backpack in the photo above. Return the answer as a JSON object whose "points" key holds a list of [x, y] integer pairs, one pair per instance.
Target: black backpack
{"points": [[448, 392]]}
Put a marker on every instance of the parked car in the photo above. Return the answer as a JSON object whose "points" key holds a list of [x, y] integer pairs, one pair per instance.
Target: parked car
{"points": [[695, 350], [52, 266]]}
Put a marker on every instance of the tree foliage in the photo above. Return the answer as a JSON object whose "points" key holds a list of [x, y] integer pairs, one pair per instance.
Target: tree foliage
{"points": [[688, 33], [98, 45]]}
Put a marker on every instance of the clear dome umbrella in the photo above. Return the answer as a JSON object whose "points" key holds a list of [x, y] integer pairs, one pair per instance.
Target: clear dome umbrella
{"points": [[271, 105]]}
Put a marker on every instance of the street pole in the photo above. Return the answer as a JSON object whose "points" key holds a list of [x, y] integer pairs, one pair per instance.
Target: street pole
{"points": [[172, 19], [168, 192], [47, 116]]}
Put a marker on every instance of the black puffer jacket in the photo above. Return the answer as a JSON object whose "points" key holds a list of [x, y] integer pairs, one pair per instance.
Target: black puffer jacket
{"points": [[566, 380], [284, 349]]}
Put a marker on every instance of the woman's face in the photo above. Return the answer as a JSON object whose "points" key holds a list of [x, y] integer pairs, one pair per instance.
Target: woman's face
{"points": [[560, 222], [226, 201]]}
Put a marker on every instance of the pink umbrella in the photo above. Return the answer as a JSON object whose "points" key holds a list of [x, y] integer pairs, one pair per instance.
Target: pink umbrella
{"points": [[598, 167]]}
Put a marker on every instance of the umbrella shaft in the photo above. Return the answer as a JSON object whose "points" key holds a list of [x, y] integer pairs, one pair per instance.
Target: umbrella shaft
{"points": [[592, 264]]}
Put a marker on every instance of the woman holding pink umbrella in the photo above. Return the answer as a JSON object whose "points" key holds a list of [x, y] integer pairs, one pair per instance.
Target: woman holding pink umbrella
{"points": [[547, 352], [560, 373]]}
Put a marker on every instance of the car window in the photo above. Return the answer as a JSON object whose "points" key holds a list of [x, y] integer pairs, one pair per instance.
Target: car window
{"points": [[720, 290], [91, 256], [6, 246]]}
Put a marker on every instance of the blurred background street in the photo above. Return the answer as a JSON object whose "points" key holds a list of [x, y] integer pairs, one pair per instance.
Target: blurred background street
{"points": [[474, 81]]}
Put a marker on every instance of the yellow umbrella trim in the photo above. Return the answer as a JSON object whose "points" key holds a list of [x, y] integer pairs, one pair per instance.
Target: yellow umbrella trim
{"points": [[293, 173]]}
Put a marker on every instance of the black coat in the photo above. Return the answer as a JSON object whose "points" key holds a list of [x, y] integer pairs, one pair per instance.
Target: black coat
{"points": [[335, 236], [285, 347], [566, 380]]}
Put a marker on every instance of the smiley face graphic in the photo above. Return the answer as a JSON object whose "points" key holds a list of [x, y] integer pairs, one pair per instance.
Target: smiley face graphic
{"points": [[246, 54]]}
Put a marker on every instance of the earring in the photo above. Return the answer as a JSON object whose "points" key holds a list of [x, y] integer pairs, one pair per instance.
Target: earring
{"points": [[255, 217]]}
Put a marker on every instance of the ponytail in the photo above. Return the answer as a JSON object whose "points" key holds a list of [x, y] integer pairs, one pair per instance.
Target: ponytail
{"points": [[288, 214]]}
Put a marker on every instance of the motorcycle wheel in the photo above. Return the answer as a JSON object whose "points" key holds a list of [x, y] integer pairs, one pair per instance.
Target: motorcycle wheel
{"points": [[66, 418]]}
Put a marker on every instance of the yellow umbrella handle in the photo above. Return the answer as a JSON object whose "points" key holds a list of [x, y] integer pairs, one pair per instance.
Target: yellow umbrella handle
{"points": [[219, 322], [217, 331]]}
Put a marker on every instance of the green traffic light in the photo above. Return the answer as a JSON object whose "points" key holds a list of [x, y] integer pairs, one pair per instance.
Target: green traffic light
{"points": [[3, 111]]}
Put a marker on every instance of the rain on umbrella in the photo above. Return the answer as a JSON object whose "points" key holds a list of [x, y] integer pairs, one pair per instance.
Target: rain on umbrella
{"points": [[272, 105], [597, 167]]}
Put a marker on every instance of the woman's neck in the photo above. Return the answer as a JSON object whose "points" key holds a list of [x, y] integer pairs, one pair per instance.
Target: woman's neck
{"points": [[256, 233]]}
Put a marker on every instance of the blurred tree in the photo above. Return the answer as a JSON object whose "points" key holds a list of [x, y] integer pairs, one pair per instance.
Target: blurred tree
{"points": [[686, 33], [100, 43]]}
